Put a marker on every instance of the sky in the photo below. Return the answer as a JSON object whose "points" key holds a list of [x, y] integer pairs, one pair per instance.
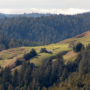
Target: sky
{"points": [[58, 6], [85, 4]]}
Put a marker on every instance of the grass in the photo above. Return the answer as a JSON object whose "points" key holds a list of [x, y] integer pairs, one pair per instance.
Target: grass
{"points": [[55, 48], [10, 55], [38, 60]]}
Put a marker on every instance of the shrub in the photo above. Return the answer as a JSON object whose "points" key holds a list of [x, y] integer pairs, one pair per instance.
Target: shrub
{"points": [[43, 50], [30, 55], [78, 47]]}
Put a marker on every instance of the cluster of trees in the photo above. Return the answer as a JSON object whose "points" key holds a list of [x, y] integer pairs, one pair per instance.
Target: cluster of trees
{"points": [[31, 77], [30, 55], [45, 29], [6, 42], [78, 47], [44, 50], [53, 74], [79, 79]]}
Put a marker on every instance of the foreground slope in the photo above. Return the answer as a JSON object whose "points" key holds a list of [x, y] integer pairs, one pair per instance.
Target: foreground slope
{"points": [[57, 68]]}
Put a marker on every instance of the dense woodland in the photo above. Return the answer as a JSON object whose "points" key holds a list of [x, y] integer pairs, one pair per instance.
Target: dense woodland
{"points": [[30, 31], [52, 75]]}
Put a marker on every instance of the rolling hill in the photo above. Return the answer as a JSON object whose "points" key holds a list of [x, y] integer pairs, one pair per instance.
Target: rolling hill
{"points": [[52, 67], [9, 57]]}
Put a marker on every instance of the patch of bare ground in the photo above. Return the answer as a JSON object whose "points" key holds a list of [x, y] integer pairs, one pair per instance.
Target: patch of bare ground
{"points": [[83, 34], [70, 56], [12, 64], [71, 53]]}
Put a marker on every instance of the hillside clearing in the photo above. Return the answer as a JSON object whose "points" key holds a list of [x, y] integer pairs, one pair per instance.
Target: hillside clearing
{"points": [[7, 57]]}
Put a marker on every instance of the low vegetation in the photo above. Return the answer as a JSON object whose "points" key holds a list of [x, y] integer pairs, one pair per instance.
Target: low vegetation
{"points": [[78, 47], [30, 55], [43, 50]]}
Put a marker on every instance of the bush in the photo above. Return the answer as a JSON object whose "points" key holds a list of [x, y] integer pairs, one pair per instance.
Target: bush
{"points": [[43, 50], [30, 55], [78, 47]]}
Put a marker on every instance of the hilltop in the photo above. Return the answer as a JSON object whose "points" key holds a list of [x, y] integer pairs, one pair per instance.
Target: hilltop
{"points": [[84, 38]]}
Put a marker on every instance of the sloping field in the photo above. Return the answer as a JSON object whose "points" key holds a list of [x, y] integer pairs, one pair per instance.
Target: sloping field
{"points": [[83, 38], [8, 57]]}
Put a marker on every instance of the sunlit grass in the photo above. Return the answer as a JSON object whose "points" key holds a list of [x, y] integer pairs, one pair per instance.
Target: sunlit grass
{"points": [[8, 56]]}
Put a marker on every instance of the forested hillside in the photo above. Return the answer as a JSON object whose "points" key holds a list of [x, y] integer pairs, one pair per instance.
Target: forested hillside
{"points": [[41, 30], [61, 66]]}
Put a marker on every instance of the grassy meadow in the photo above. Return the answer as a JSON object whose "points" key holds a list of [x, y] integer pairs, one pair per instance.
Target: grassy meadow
{"points": [[9, 56]]}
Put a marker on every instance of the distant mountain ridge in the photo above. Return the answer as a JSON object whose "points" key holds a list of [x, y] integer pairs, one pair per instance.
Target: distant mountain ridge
{"points": [[23, 15], [34, 12]]}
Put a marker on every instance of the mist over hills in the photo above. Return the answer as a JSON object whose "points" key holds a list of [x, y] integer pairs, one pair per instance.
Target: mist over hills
{"points": [[34, 12], [22, 15], [69, 11]]}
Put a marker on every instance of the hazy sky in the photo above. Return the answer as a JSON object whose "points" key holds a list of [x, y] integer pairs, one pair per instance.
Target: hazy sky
{"points": [[85, 4]]}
